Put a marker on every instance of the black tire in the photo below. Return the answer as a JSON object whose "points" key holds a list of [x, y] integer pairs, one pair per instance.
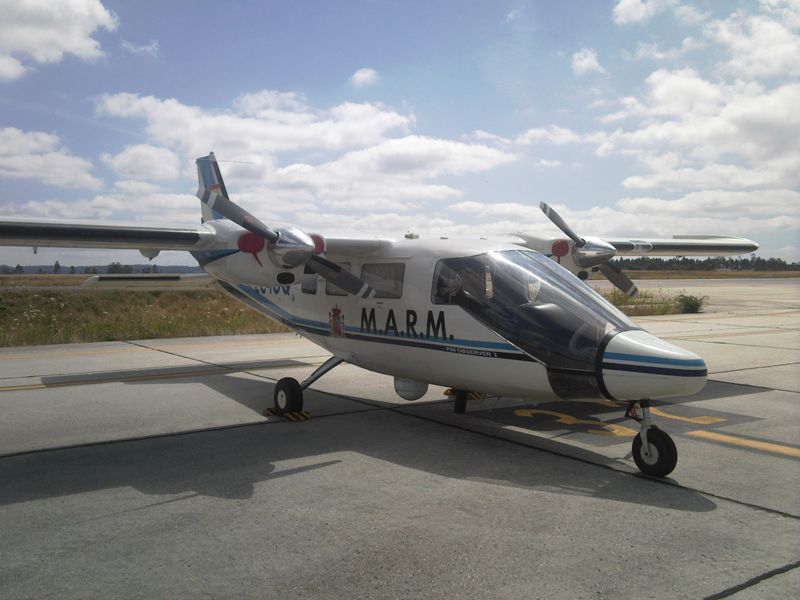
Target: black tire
{"points": [[288, 396], [664, 454]]}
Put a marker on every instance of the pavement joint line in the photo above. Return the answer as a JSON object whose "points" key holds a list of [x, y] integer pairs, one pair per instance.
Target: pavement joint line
{"points": [[759, 387], [732, 344], [217, 369], [754, 368], [753, 581]]}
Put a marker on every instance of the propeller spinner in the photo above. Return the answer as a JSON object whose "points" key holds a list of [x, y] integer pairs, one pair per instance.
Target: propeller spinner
{"points": [[593, 252]]}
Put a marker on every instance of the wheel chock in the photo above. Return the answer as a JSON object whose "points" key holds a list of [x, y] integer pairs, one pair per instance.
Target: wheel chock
{"points": [[289, 416]]}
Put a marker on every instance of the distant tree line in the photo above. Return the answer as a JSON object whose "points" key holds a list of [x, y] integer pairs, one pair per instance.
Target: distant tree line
{"points": [[753, 263]]}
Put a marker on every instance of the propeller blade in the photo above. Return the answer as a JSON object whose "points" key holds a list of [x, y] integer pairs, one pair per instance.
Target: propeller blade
{"points": [[561, 224], [240, 216], [340, 277], [212, 192], [621, 281]]}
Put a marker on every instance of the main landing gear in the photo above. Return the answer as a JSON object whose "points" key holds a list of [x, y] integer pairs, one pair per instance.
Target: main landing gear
{"points": [[654, 452], [288, 396]]}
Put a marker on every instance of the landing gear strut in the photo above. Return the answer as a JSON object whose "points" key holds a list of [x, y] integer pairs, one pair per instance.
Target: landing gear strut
{"points": [[654, 452], [288, 396]]}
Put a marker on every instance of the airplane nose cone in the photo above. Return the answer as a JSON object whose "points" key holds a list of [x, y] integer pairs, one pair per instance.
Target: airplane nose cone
{"points": [[637, 365]]}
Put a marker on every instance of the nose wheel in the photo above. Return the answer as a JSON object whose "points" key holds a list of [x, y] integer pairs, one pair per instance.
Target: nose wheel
{"points": [[654, 452]]}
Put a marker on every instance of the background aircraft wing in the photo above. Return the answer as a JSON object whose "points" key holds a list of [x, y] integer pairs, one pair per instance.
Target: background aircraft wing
{"points": [[65, 234], [698, 245]]}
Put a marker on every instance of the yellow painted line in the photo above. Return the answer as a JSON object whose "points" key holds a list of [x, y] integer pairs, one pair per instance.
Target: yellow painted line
{"points": [[601, 428], [701, 420], [746, 443]]}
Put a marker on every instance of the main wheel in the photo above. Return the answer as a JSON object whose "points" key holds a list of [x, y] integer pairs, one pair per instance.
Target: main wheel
{"points": [[288, 396], [663, 455]]}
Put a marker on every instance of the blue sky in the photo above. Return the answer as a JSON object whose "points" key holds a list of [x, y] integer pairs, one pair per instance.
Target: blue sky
{"points": [[634, 118]]}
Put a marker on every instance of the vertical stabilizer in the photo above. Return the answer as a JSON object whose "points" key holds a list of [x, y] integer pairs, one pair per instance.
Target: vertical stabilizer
{"points": [[210, 185]]}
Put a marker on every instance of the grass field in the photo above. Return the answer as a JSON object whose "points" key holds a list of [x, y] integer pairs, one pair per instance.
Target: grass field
{"points": [[30, 317], [32, 312]]}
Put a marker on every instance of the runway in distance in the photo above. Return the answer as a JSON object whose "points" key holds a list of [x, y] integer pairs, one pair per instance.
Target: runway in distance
{"points": [[495, 315]]}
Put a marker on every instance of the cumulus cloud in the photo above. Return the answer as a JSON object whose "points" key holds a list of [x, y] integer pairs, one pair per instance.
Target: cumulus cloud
{"points": [[552, 134], [391, 174], [652, 51], [143, 161], [39, 155], [759, 46], [585, 61], [150, 49], [641, 11], [638, 11], [364, 78], [260, 124], [43, 32]]}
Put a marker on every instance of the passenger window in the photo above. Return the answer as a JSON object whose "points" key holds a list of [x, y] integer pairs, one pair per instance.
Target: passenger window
{"points": [[385, 278], [334, 290], [309, 282]]}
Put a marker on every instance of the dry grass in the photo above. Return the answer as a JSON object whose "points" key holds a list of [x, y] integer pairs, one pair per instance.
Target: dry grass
{"points": [[31, 317], [647, 274], [645, 304]]}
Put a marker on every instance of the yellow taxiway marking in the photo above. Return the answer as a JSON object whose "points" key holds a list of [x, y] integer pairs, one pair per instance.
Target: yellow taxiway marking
{"points": [[701, 420], [601, 427], [746, 443]]}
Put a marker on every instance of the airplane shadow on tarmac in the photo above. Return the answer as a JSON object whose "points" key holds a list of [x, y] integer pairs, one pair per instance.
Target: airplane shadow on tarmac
{"points": [[238, 462]]}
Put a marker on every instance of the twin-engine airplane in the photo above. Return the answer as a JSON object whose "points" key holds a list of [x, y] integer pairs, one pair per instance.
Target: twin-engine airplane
{"points": [[495, 316]]}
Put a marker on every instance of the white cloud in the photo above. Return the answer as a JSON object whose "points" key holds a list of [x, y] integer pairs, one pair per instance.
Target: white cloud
{"points": [[143, 161], [585, 61], [37, 155], [364, 78], [652, 51], [641, 11], [638, 11], [43, 32], [548, 164], [759, 47], [391, 174], [150, 49], [552, 134], [260, 125]]}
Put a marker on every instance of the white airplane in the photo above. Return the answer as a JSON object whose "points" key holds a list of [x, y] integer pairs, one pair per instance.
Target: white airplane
{"points": [[493, 316]]}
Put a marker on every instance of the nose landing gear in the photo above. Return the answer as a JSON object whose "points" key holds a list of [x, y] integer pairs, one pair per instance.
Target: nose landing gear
{"points": [[654, 452]]}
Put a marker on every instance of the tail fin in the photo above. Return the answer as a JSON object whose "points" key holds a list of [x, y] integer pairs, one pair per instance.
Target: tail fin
{"points": [[210, 184]]}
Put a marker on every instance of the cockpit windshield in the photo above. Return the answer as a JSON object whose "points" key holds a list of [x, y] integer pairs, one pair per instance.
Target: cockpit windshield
{"points": [[535, 304]]}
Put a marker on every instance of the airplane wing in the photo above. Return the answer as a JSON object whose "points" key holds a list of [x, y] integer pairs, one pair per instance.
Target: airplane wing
{"points": [[698, 245], [66, 234]]}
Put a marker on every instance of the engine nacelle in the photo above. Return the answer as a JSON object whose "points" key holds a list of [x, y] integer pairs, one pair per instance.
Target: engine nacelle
{"points": [[409, 389], [244, 268]]}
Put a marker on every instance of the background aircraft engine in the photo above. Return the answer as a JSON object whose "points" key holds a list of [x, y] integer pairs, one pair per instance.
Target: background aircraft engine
{"points": [[409, 389]]}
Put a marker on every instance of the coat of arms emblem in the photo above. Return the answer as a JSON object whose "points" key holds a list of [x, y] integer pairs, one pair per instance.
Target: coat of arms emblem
{"points": [[336, 320]]}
